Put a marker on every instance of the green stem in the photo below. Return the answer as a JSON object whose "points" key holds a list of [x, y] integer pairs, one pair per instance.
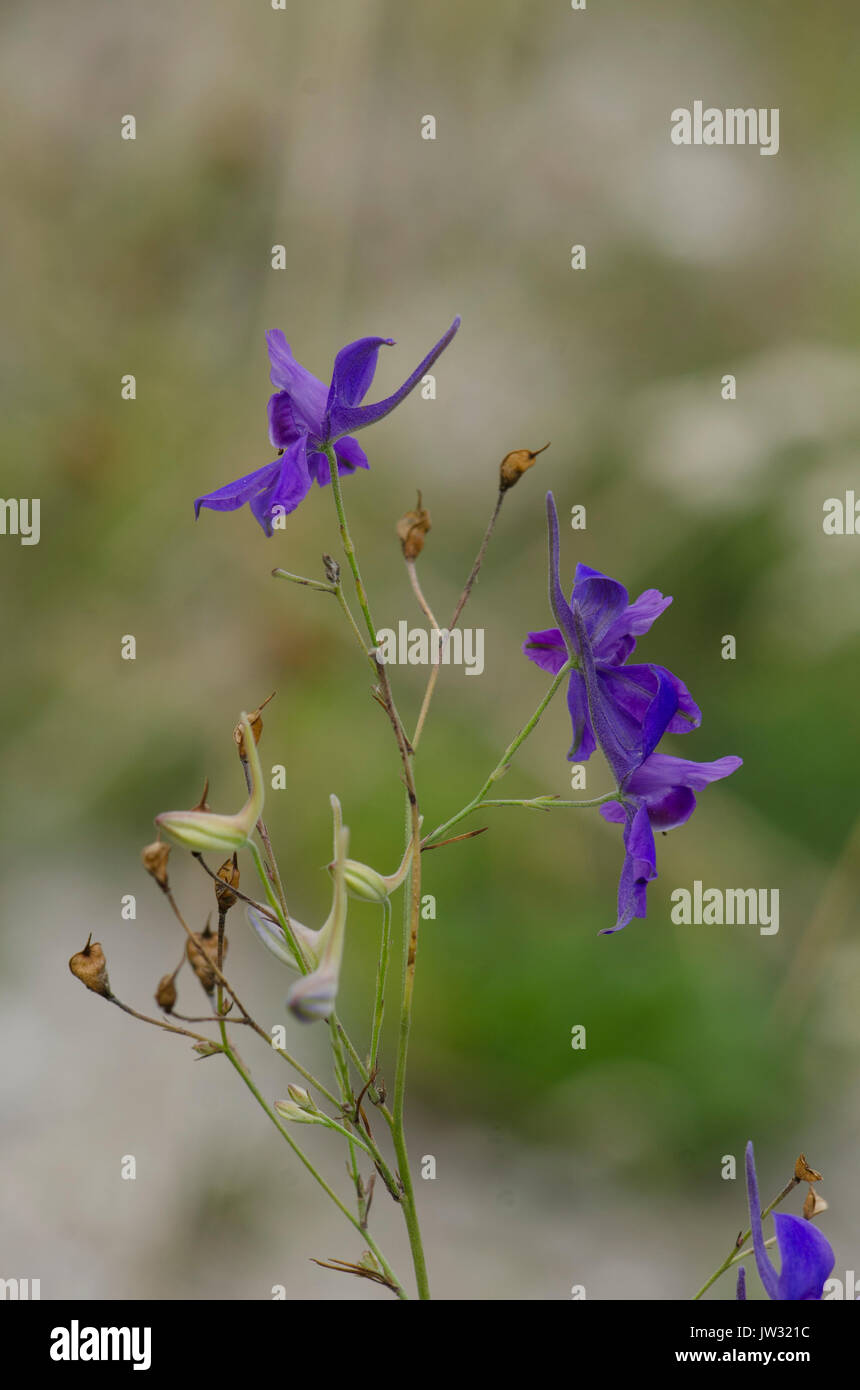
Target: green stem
{"points": [[381, 979], [396, 1285], [502, 765], [411, 908], [348, 547]]}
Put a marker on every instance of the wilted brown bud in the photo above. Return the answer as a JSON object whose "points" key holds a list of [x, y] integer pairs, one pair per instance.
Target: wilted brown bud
{"points": [[165, 995], [813, 1204], [332, 569], [154, 858], [202, 953], [412, 528], [514, 465], [803, 1172], [90, 967], [229, 876], [256, 722]]}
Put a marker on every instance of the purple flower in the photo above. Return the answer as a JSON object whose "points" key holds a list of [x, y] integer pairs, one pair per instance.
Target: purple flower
{"points": [[613, 624], [625, 711], [805, 1255], [306, 418]]}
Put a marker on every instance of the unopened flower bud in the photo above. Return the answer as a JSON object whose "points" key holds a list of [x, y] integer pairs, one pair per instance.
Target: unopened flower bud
{"points": [[301, 1097], [289, 1111], [90, 967], [229, 876], [411, 529], [803, 1172], [165, 995], [813, 1204], [363, 882], [207, 1049], [256, 722], [154, 858], [514, 465]]}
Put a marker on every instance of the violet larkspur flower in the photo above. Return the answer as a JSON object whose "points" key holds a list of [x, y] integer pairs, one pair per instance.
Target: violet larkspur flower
{"points": [[613, 624], [625, 711], [307, 417], [806, 1256]]}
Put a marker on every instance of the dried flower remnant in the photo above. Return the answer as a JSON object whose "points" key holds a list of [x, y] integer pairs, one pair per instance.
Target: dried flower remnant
{"points": [[306, 418], [90, 967], [202, 952], [813, 1204], [166, 994], [803, 1172], [154, 858], [515, 464], [229, 879], [256, 722], [412, 528]]}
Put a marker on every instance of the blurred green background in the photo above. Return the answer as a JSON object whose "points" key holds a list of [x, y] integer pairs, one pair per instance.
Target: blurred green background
{"points": [[152, 257]]}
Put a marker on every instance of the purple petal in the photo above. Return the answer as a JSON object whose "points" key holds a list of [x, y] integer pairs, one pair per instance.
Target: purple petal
{"points": [[233, 495], [307, 394], [636, 620], [289, 488], [546, 649], [766, 1271], [742, 1283], [353, 371], [662, 771], [343, 419], [639, 868], [633, 688], [806, 1257], [350, 456], [283, 427], [602, 601], [616, 736]]}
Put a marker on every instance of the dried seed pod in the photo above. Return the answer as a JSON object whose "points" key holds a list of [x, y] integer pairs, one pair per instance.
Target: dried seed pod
{"points": [[256, 722], [229, 876], [165, 995], [803, 1172], [90, 967], [412, 528], [202, 953], [514, 465], [813, 1204], [154, 858]]}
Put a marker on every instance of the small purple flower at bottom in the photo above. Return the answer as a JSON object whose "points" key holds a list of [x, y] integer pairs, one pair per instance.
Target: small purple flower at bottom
{"points": [[806, 1255], [306, 418]]}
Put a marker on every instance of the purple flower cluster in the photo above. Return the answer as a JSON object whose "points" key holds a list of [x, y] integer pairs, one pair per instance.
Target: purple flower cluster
{"points": [[306, 418], [623, 709]]}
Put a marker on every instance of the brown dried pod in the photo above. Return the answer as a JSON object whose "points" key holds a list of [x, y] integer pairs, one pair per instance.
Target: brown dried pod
{"points": [[90, 967], [514, 465], [813, 1204], [412, 528], [803, 1172], [256, 722], [154, 858], [165, 995], [229, 876], [202, 952]]}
